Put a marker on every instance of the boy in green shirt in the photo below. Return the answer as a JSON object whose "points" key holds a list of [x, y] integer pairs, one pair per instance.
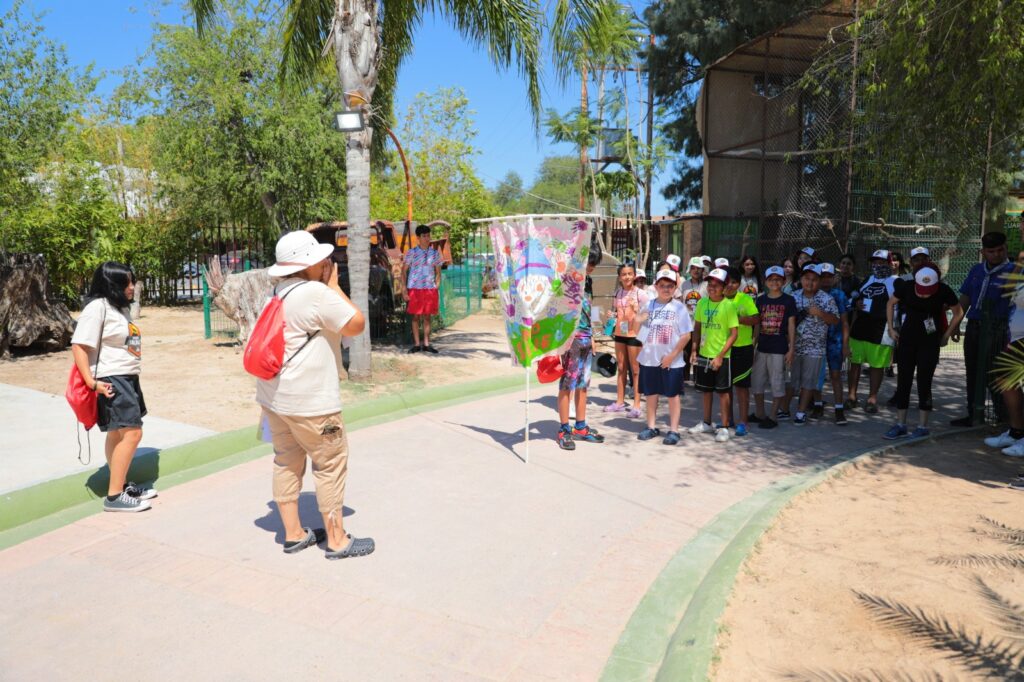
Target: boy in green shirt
{"points": [[715, 329], [741, 358]]}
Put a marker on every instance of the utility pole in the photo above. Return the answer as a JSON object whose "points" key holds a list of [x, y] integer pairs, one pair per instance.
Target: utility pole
{"points": [[650, 133]]}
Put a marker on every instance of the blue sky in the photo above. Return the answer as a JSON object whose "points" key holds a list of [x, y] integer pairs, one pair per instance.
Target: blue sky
{"points": [[112, 34]]}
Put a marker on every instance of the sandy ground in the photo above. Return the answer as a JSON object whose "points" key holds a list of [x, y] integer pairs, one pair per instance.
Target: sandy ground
{"points": [[201, 382], [908, 566]]}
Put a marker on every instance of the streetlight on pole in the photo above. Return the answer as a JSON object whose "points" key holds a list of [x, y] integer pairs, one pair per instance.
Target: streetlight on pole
{"points": [[351, 121]]}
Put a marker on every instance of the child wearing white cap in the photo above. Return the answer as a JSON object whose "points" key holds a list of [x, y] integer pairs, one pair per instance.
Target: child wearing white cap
{"points": [[665, 331], [869, 342], [716, 328], [924, 330], [815, 311], [775, 342]]}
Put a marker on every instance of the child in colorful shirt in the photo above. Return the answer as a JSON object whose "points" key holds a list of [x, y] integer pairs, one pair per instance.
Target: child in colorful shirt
{"points": [[775, 341], [815, 311], [837, 348], [576, 364], [421, 269]]}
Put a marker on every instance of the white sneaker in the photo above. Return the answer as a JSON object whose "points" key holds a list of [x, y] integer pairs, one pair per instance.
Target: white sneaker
{"points": [[722, 436], [700, 428], [1001, 441], [1015, 450]]}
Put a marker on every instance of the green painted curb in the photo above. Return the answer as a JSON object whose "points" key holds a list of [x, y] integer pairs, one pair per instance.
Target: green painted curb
{"points": [[43, 507], [671, 634]]}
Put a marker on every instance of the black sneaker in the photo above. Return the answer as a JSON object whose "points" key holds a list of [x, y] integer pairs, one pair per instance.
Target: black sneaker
{"points": [[782, 415], [841, 417], [962, 421], [799, 421], [139, 492], [415, 349], [753, 419], [565, 440], [430, 349], [767, 423], [890, 372], [817, 412]]}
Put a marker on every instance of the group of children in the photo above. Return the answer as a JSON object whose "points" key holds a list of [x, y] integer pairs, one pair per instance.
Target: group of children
{"points": [[787, 333]]}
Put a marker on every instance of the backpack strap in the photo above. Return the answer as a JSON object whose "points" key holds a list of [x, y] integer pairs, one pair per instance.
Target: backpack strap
{"points": [[309, 337]]}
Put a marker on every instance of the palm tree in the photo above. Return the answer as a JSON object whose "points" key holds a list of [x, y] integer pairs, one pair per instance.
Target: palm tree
{"points": [[369, 40], [590, 41]]}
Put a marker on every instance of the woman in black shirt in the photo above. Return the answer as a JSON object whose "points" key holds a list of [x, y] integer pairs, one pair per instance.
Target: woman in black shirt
{"points": [[922, 303]]}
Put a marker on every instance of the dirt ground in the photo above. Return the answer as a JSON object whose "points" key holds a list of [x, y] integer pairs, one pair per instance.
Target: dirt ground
{"points": [[198, 381], [908, 566]]}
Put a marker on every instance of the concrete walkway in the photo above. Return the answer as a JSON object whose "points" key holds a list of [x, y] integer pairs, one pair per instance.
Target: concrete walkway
{"points": [[40, 441], [486, 568]]}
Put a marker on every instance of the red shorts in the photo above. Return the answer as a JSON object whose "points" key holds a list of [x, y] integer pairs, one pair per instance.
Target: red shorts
{"points": [[422, 302]]}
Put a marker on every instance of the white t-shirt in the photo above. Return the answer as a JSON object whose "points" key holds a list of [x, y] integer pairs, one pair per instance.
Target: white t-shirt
{"points": [[1017, 313], [666, 323], [121, 350], [307, 385], [691, 293]]}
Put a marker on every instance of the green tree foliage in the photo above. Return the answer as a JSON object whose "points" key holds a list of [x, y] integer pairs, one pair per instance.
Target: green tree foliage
{"points": [[690, 35], [53, 199], [509, 193], [936, 78], [437, 135], [232, 142], [556, 187]]}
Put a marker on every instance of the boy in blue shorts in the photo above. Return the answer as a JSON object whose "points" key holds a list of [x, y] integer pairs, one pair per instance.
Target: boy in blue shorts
{"points": [[837, 348], [576, 363]]}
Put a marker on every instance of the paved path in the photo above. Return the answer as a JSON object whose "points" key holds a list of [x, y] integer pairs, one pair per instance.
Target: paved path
{"points": [[486, 568], [40, 440]]}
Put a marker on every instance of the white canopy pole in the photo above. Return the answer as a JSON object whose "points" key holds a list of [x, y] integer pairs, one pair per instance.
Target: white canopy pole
{"points": [[536, 215], [526, 430]]}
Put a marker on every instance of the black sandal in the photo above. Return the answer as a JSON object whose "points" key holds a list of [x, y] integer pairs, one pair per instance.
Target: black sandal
{"points": [[314, 536]]}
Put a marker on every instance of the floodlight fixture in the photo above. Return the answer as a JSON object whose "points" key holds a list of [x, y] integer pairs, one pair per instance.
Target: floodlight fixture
{"points": [[349, 121]]}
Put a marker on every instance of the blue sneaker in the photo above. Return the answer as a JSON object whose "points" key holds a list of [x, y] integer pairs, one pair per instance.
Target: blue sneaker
{"points": [[896, 432], [648, 434], [741, 429], [920, 432]]}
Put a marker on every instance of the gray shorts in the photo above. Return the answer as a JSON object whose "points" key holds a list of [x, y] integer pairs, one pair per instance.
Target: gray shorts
{"points": [[805, 372], [769, 373], [126, 409]]}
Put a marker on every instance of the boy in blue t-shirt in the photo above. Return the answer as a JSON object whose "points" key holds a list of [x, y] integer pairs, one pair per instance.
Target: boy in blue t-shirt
{"points": [[837, 347], [576, 363]]}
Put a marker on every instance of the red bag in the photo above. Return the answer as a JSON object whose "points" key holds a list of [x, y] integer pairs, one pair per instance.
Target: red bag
{"points": [[81, 398], [264, 352]]}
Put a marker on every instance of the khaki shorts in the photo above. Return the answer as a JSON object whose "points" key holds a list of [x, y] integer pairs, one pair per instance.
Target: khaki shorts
{"points": [[769, 372], [805, 372], [323, 440]]}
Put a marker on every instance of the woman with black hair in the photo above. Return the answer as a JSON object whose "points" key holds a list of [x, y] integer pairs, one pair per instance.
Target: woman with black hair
{"points": [[107, 349], [750, 282]]}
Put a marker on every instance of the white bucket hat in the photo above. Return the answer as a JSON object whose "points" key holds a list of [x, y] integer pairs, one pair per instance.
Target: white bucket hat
{"points": [[296, 251]]}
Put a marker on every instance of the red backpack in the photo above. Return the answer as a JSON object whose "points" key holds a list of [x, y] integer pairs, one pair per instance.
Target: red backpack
{"points": [[264, 352]]}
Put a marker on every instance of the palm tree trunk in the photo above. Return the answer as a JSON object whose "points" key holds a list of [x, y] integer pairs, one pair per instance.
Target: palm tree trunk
{"points": [[584, 160], [357, 56]]}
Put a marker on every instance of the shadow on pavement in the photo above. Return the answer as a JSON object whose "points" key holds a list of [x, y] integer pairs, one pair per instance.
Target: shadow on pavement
{"points": [[309, 516], [538, 430], [145, 468]]}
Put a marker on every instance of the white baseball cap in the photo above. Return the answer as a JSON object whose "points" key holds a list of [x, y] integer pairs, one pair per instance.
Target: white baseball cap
{"points": [[674, 260], [696, 262], [808, 250], [811, 267], [881, 254], [667, 274], [827, 269], [640, 273], [919, 251], [775, 271], [926, 281], [721, 262], [719, 274], [296, 251]]}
